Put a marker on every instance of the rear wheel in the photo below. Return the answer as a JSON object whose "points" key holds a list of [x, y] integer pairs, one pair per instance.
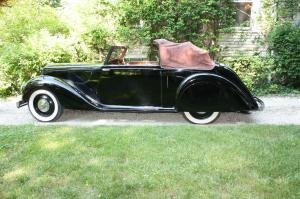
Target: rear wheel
{"points": [[44, 106], [201, 117]]}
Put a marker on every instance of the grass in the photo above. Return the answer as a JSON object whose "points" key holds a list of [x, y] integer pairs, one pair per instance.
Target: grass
{"points": [[232, 161]]}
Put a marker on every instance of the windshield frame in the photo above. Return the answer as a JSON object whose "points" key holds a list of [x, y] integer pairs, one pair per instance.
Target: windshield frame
{"points": [[113, 49]]}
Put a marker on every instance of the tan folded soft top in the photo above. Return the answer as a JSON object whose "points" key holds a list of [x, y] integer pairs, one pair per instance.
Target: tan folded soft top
{"points": [[183, 55]]}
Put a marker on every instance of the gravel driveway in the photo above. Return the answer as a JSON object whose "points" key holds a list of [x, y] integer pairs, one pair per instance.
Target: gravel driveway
{"points": [[278, 110]]}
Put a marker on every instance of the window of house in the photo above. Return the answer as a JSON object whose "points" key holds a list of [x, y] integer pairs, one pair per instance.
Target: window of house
{"points": [[243, 12]]}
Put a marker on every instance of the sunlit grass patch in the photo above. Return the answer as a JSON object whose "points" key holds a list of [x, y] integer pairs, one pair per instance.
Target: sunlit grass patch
{"points": [[241, 161]]}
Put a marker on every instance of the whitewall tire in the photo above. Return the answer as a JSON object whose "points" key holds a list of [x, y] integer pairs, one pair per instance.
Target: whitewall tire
{"points": [[44, 106], [201, 117]]}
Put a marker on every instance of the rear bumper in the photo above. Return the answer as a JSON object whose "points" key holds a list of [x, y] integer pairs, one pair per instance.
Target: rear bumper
{"points": [[260, 103], [21, 103]]}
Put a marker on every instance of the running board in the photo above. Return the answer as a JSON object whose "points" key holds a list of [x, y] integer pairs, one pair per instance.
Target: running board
{"points": [[137, 108]]}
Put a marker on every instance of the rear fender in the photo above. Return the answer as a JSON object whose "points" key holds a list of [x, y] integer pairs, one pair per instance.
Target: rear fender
{"points": [[211, 92], [69, 95]]}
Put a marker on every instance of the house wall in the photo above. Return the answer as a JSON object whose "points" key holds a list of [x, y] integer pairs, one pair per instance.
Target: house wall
{"points": [[244, 40]]}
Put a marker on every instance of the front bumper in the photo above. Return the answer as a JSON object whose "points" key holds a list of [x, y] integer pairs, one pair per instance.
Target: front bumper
{"points": [[21, 103], [260, 103]]}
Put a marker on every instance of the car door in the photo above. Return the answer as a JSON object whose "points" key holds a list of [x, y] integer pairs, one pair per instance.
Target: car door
{"points": [[129, 86]]}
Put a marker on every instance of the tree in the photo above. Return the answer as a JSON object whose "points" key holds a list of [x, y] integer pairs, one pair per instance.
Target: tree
{"points": [[199, 21], [21, 22], [97, 39], [52, 3], [3, 2]]}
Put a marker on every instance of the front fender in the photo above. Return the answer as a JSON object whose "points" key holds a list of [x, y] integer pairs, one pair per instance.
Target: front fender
{"points": [[68, 95], [212, 92]]}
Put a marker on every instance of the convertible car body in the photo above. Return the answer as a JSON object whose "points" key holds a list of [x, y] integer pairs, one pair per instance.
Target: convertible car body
{"points": [[185, 79]]}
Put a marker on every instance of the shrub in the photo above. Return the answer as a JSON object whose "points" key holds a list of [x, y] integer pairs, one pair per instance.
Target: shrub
{"points": [[32, 36], [255, 71], [21, 62], [284, 46], [18, 63]]}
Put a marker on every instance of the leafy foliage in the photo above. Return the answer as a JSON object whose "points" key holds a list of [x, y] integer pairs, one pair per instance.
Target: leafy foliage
{"points": [[52, 3], [34, 33], [19, 63], [196, 21], [274, 11], [19, 60], [253, 70], [259, 74], [286, 9], [27, 17], [97, 39], [284, 45], [4, 2]]}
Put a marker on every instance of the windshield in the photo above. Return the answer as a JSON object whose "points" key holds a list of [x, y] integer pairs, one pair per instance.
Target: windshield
{"points": [[116, 55]]}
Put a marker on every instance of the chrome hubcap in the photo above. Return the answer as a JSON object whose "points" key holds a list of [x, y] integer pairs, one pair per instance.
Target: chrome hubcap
{"points": [[43, 105], [201, 113]]}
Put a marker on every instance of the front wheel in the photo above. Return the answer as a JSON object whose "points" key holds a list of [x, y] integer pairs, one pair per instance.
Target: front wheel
{"points": [[201, 117], [44, 106]]}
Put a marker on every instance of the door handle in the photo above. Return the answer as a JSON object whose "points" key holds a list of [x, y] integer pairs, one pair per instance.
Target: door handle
{"points": [[105, 69]]}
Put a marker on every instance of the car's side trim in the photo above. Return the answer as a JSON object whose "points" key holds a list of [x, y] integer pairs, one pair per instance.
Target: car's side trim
{"points": [[137, 108]]}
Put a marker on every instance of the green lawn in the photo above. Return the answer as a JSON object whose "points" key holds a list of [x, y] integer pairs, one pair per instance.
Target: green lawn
{"points": [[231, 161]]}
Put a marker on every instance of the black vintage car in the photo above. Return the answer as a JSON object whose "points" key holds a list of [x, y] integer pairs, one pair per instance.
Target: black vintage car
{"points": [[184, 79]]}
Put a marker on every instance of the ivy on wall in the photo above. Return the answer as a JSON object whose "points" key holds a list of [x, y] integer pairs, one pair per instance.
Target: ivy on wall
{"points": [[276, 11]]}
